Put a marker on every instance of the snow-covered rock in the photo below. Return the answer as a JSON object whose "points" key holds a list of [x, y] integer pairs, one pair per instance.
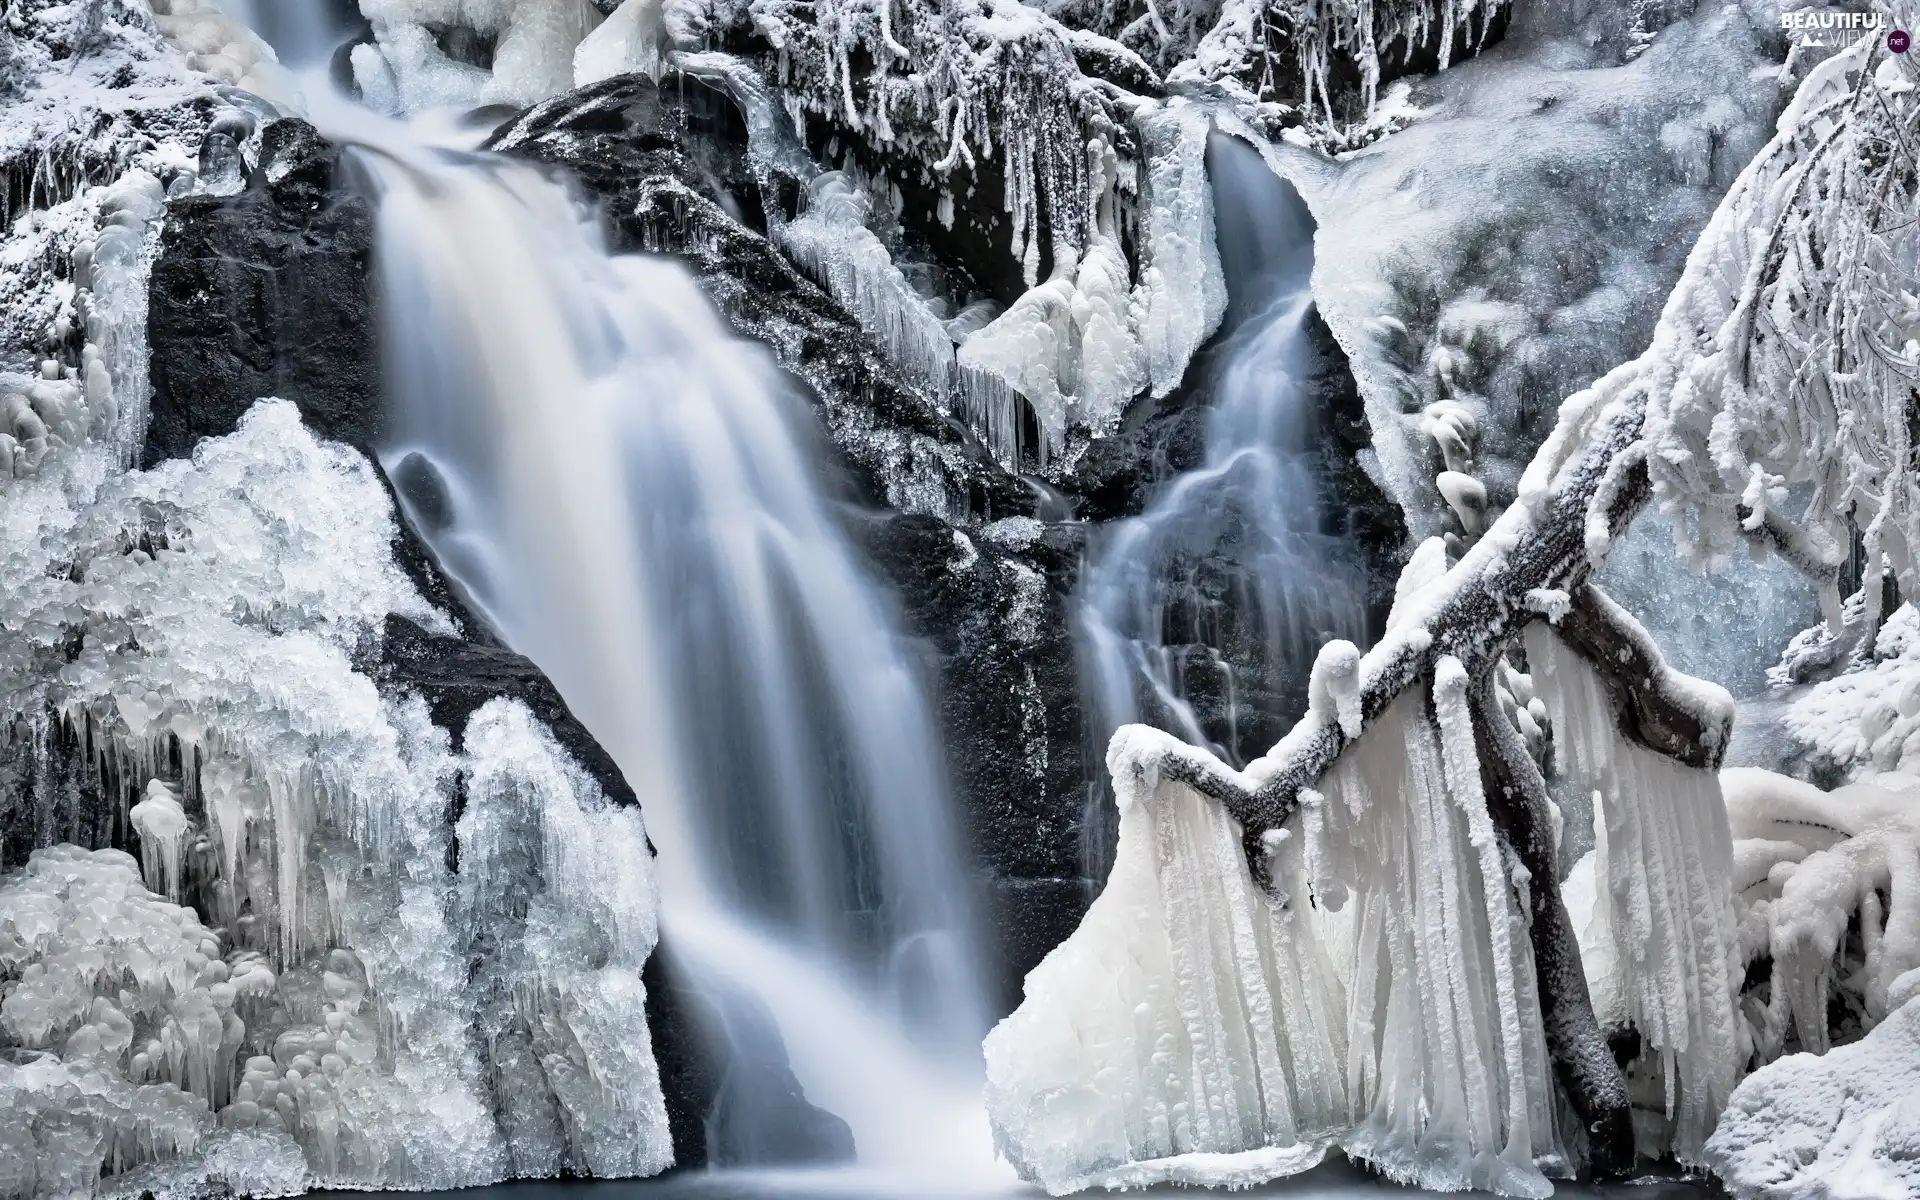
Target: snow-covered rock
{"points": [[1839, 1126], [1866, 720]]}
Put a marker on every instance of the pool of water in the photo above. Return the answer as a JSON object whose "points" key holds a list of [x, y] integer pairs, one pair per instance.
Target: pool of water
{"points": [[1334, 1180]]}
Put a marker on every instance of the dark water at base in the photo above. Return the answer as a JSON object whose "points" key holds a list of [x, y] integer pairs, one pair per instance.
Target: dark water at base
{"points": [[1334, 1180]]}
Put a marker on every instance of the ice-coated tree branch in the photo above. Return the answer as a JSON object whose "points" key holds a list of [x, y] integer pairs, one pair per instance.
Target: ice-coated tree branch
{"points": [[1655, 705], [1538, 544], [1518, 803]]}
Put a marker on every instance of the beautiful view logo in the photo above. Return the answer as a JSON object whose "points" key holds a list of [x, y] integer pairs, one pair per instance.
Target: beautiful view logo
{"points": [[1837, 29]]}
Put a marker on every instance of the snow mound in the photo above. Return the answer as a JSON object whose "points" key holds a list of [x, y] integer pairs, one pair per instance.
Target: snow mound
{"points": [[1867, 720], [1840, 1125]]}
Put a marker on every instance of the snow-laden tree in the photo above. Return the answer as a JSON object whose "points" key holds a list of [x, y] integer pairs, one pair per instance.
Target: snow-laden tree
{"points": [[1360, 939]]}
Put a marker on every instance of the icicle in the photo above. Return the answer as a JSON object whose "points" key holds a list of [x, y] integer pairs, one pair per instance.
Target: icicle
{"points": [[163, 838], [1190, 1029], [1663, 879]]}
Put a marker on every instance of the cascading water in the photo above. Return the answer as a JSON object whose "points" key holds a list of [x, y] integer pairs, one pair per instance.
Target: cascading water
{"points": [[624, 489], [1228, 564], [300, 31]]}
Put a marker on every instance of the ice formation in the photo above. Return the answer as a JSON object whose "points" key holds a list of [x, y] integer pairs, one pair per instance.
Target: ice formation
{"points": [[1435, 243], [558, 885], [831, 241], [302, 812], [1663, 899], [1382, 1000], [225, 48], [1080, 346], [47, 416], [529, 46], [1188, 1016]]}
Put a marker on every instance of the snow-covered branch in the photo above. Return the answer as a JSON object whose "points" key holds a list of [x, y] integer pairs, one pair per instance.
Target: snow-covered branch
{"points": [[1780, 388]]}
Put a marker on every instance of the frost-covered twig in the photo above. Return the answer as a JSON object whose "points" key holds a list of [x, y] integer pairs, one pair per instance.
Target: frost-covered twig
{"points": [[1790, 351]]}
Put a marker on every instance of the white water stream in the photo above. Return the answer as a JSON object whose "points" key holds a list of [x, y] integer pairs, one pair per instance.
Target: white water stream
{"points": [[632, 498], [1150, 617]]}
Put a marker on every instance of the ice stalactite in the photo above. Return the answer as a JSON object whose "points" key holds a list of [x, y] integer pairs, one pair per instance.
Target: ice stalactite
{"points": [[1081, 345], [1448, 1065], [1191, 1030], [830, 240], [1663, 888]]}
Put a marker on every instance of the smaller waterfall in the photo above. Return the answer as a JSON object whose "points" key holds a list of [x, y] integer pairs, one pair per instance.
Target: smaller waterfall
{"points": [[1205, 611]]}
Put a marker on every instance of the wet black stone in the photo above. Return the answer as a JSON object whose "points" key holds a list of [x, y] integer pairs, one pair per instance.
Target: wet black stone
{"points": [[706, 1084], [266, 293]]}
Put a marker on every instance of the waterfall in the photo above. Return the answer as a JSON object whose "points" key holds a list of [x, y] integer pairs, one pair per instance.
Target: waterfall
{"points": [[1228, 569], [628, 493], [301, 32]]}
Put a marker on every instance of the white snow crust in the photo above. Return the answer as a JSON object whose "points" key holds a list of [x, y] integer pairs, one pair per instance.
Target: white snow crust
{"points": [[1838, 1126], [1866, 720]]}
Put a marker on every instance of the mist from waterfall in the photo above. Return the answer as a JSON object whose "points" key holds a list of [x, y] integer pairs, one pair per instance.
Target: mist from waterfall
{"points": [[1156, 604], [629, 494]]}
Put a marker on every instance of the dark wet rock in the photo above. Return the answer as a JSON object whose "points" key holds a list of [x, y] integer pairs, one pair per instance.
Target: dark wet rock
{"points": [[726, 1071], [669, 166], [991, 606], [456, 677], [266, 293]]}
